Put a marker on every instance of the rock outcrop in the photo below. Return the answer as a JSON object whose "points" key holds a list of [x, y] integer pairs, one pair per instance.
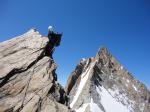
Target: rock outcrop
{"points": [[101, 84], [28, 82]]}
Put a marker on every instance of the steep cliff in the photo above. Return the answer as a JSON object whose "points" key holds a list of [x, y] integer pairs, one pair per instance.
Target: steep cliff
{"points": [[101, 84], [28, 82]]}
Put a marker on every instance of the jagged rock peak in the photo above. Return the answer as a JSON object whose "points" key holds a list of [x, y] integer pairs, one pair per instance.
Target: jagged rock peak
{"points": [[28, 82], [102, 84], [103, 51]]}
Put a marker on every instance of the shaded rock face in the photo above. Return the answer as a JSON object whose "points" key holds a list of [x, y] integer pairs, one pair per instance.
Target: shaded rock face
{"points": [[28, 82], [101, 84]]}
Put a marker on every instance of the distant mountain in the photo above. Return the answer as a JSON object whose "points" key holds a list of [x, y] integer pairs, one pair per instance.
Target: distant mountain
{"points": [[101, 84]]}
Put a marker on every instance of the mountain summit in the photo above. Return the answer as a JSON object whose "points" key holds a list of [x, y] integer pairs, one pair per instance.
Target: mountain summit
{"points": [[101, 84]]}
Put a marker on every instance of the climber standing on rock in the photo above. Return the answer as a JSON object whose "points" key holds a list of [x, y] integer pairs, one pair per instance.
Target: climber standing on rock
{"points": [[54, 41]]}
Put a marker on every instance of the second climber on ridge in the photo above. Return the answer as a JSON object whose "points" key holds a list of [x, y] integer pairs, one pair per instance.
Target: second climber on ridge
{"points": [[54, 41]]}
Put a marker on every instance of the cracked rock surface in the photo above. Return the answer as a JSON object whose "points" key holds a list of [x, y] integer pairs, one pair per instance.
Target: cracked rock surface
{"points": [[102, 84], [28, 82]]}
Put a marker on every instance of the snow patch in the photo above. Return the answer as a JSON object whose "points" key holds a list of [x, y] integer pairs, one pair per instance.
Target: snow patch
{"points": [[83, 59], [126, 85], [142, 107], [134, 88], [128, 81], [94, 107], [121, 97], [121, 67], [102, 71], [109, 103], [84, 78]]}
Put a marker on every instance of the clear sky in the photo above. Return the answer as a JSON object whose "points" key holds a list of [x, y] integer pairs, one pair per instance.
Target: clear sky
{"points": [[123, 26]]}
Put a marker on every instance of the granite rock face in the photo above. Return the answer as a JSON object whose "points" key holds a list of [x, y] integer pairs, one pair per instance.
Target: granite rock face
{"points": [[102, 84], [28, 82]]}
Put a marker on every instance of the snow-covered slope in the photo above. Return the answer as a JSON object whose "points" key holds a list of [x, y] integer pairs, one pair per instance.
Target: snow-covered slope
{"points": [[101, 84]]}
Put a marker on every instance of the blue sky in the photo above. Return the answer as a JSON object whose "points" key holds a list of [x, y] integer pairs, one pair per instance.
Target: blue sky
{"points": [[123, 26]]}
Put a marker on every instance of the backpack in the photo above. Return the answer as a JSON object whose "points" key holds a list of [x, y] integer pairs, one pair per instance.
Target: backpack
{"points": [[55, 38], [58, 39]]}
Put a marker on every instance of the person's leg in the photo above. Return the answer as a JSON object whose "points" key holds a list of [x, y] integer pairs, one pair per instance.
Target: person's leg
{"points": [[51, 52]]}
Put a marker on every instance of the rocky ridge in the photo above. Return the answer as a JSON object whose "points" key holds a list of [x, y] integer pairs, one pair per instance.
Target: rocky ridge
{"points": [[101, 84], [28, 82]]}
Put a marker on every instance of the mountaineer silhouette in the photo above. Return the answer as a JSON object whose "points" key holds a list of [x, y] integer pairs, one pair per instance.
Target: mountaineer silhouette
{"points": [[54, 41]]}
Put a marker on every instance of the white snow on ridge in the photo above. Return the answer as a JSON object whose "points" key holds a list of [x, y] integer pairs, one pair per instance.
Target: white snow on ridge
{"points": [[109, 103], [110, 100], [134, 88], [84, 78], [121, 67], [94, 107], [128, 81], [83, 59]]}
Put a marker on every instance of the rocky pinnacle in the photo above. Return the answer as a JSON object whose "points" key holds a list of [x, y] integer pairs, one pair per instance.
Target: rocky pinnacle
{"points": [[28, 82]]}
